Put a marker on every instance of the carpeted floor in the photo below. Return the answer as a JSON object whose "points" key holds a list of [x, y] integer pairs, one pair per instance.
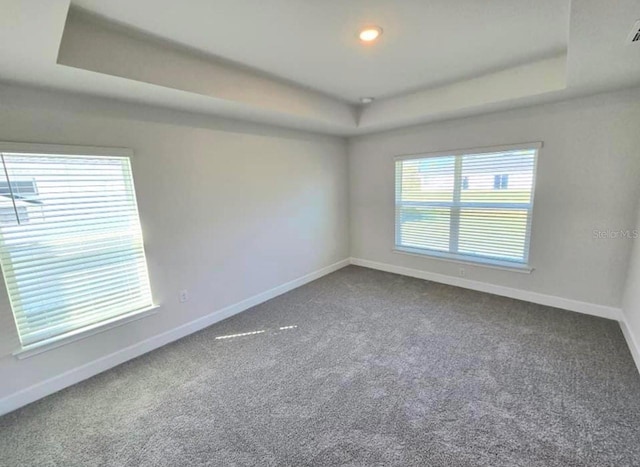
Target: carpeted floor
{"points": [[358, 368]]}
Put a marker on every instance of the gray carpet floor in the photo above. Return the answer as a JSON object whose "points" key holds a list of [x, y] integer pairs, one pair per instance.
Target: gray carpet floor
{"points": [[358, 368]]}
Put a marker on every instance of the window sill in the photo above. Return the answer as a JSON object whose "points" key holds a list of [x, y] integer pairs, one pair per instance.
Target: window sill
{"points": [[79, 334], [491, 264]]}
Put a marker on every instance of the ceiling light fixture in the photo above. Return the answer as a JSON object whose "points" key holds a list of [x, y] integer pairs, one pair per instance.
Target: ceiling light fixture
{"points": [[370, 33], [366, 100]]}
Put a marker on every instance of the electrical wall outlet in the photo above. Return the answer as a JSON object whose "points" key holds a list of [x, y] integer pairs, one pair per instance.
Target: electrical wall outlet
{"points": [[183, 296]]}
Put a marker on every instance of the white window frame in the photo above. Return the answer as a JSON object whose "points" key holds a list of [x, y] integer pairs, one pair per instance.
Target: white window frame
{"points": [[466, 258], [51, 343]]}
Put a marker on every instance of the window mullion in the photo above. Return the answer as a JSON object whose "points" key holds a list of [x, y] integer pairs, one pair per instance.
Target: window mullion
{"points": [[398, 200], [454, 222]]}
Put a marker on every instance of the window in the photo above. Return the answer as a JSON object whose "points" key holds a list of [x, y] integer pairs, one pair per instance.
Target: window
{"points": [[71, 246], [501, 182], [24, 190], [19, 188], [467, 205]]}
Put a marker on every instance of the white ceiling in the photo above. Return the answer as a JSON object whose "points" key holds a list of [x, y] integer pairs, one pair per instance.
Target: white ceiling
{"points": [[314, 43], [298, 63]]}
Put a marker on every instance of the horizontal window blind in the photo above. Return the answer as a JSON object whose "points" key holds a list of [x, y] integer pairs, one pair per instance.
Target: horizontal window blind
{"points": [[71, 245], [474, 206]]}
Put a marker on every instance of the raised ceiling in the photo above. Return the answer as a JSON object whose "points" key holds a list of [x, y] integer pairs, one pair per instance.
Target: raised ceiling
{"points": [[299, 64], [314, 43]]}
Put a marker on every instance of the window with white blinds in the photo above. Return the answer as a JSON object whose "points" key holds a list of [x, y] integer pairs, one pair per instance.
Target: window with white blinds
{"points": [[71, 246], [468, 205]]}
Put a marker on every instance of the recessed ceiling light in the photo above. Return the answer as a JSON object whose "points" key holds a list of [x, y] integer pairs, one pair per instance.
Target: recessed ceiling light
{"points": [[366, 100], [370, 33]]}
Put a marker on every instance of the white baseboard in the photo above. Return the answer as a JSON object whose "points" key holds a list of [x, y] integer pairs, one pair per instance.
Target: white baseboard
{"points": [[534, 297], [75, 375], [634, 345]]}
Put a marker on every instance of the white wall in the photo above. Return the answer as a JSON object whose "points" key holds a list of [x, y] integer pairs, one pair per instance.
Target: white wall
{"points": [[587, 180], [224, 218], [228, 209]]}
